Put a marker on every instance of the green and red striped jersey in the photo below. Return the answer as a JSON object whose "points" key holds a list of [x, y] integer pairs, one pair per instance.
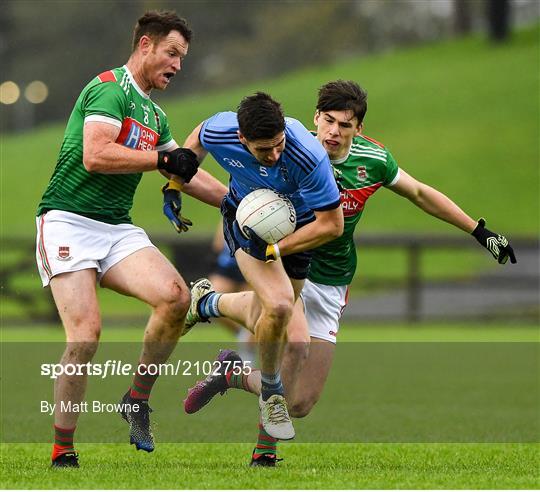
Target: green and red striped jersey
{"points": [[112, 97], [367, 167]]}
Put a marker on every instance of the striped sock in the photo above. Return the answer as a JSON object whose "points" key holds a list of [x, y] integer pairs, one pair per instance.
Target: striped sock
{"points": [[270, 385], [142, 384], [238, 381], [266, 444], [63, 442], [208, 305]]}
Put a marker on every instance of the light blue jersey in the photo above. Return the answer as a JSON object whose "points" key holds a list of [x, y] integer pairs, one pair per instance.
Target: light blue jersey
{"points": [[303, 172]]}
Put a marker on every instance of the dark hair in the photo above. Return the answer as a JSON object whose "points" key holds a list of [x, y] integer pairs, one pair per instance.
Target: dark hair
{"points": [[157, 25], [260, 117], [341, 95]]}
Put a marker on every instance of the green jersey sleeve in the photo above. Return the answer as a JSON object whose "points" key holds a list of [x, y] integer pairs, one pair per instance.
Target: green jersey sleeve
{"points": [[165, 136], [106, 99], [392, 169]]}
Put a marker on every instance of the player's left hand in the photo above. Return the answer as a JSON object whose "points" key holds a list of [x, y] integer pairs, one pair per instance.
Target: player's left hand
{"points": [[496, 244], [254, 245], [172, 206]]}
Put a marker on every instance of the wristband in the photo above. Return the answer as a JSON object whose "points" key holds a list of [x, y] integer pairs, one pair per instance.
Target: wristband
{"points": [[174, 185], [481, 224], [162, 159], [272, 253]]}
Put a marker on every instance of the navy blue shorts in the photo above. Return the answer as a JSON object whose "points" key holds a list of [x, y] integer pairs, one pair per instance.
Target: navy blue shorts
{"points": [[296, 265], [227, 267]]}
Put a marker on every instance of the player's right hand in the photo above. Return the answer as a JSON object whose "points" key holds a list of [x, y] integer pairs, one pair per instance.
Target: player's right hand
{"points": [[172, 206], [181, 162], [254, 245], [495, 243]]}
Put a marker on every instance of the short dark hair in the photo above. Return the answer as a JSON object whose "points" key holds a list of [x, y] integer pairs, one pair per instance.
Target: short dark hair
{"points": [[260, 117], [158, 24], [342, 95]]}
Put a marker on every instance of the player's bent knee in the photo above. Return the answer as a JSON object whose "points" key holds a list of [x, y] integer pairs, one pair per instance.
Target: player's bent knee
{"points": [[174, 300], [81, 329], [278, 309], [80, 352], [300, 339]]}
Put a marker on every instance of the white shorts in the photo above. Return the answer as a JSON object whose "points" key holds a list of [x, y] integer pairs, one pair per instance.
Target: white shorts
{"points": [[68, 242], [324, 305]]}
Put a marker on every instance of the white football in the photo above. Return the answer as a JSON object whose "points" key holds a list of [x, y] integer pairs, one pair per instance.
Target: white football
{"points": [[271, 215]]}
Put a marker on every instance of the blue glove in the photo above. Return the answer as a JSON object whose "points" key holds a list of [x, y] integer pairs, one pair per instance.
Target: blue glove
{"points": [[172, 206], [254, 245]]}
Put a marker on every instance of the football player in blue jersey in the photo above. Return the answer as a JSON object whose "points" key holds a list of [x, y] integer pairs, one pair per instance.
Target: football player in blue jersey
{"points": [[339, 120], [260, 148]]}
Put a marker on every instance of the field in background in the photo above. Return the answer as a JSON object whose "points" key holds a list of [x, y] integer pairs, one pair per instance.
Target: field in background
{"points": [[392, 332], [371, 263], [460, 115]]}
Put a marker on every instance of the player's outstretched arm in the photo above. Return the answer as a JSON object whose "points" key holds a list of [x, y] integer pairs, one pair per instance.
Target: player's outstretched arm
{"points": [[193, 142], [206, 188], [432, 202], [439, 205], [203, 186]]}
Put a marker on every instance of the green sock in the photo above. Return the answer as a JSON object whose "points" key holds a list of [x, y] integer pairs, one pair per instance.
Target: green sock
{"points": [[238, 381], [142, 383], [266, 444]]}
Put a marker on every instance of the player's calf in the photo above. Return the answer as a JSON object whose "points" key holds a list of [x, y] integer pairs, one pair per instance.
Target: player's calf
{"points": [[302, 408]]}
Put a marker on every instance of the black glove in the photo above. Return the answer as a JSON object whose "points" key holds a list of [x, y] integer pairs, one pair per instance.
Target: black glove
{"points": [[496, 244], [172, 206], [181, 162], [254, 245]]}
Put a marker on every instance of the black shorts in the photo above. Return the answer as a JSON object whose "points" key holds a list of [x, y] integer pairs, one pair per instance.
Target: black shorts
{"points": [[296, 265]]}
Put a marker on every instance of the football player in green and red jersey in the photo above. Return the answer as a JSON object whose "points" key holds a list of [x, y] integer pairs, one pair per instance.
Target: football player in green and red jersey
{"points": [[361, 167], [84, 231]]}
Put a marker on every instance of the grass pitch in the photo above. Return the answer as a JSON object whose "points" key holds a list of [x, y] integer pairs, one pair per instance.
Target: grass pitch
{"points": [[306, 465], [458, 130]]}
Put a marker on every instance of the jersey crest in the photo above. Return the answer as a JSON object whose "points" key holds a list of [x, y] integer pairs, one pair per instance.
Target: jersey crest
{"points": [[362, 173]]}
